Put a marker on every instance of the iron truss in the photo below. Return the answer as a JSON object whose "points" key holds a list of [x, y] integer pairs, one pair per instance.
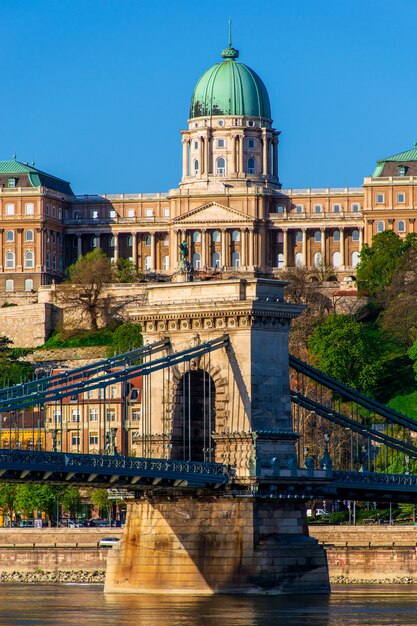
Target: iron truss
{"points": [[104, 470]]}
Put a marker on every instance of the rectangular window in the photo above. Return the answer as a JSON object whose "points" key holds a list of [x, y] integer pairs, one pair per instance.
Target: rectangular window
{"points": [[136, 415], [317, 208], [355, 208], [401, 198], [93, 415], [29, 209], [56, 415], [93, 439], [166, 212], [380, 198], [112, 213], [336, 208], [75, 440], [220, 143], [94, 214], [113, 392], [75, 415], [280, 208], [110, 415], [9, 209], [148, 212], [298, 208], [11, 182]]}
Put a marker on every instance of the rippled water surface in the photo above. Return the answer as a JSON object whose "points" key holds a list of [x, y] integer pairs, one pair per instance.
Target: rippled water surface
{"points": [[85, 605]]}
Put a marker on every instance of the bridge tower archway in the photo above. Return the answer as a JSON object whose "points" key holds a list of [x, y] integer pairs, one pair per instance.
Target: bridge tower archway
{"points": [[194, 416]]}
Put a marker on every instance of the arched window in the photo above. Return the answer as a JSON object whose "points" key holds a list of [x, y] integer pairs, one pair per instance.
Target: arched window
{"points": [[317, 236], [195, 166], [355, 259], [380, 227], [29, 209], [147, 263], [165, 263], [298, 236], [280, 260], [28, 284], [147, 240], [317, 259], [215, 259], [336, 235], [10, 235], [94, 242], [298, 260], [9, 284], [251, 166], [355, 235], [196, 261], [111, 242], [236, 235], [336, 259], [130, 241], [401, 226], [215, 236], [196, 236], [29, 259], [235, 259], [10, 260], [29, 235], [221, 166]]}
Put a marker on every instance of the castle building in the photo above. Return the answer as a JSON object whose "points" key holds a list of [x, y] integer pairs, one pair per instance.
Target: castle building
{"points": [[230, 205]]}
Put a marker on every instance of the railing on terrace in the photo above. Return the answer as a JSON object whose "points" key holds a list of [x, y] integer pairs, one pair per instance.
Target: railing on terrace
{"points": [[378, 180], [327, 216], [114, 220], [120, 196], [323, 190]]}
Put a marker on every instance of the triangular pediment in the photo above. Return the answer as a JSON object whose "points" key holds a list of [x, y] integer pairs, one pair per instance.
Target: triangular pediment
{"points": [[210, 213]]}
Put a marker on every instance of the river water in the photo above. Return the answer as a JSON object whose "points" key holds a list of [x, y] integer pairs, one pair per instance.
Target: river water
{"points": [[82, 605]]}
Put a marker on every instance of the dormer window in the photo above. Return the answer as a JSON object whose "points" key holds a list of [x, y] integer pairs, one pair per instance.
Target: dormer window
{"points": [[402, 170], [11, 181]]}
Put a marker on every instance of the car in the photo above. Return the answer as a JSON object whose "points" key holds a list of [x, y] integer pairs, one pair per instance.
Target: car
{"points": [[108, 542]]}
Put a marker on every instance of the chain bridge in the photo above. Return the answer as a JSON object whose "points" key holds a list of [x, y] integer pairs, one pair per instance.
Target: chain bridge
{"points": [[234, 437]]}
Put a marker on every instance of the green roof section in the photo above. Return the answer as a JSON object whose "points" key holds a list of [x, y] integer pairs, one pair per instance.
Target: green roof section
{"points": [[230, 88], [408, 155], [37, 178]]}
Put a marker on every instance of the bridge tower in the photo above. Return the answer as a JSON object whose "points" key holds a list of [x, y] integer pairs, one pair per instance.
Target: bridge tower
{"points": [[232, 407]]}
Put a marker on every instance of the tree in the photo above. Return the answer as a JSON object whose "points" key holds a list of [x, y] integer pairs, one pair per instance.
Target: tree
{"points": [[125, 337], [126, 272], [40, 497], [7, 499], [379, 261], [12, 370], [100, 499], [70, 500], [345, 351], [87, 278]]}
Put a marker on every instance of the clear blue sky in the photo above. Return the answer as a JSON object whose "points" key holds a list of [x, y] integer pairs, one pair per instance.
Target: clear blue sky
{"points": [[96, 91]]}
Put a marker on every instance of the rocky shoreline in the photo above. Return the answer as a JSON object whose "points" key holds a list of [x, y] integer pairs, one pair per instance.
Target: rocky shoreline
{"points": [[41, 576], [399, 580]]}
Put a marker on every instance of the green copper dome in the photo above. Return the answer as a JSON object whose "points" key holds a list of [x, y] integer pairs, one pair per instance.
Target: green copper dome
{"points": [[230, 88]]}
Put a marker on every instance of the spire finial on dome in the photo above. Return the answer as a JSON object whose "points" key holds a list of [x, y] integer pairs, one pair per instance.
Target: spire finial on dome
{"points": [[230, 52]]}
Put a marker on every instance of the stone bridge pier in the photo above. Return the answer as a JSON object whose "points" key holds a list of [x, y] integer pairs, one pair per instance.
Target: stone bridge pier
{"points": [[233, 407]]}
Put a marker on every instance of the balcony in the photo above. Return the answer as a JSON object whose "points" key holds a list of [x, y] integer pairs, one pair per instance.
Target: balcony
{"points": [[320, 191]]}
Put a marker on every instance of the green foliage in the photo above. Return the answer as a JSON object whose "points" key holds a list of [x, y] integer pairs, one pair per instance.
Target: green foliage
{"points": [[6, 305], [405, 404], [412, 353], [7, 498], [12, 371], [70, 501], [94, 268], [126, 272], [126, 337], [80, 339], [379, 261], [100, 499], [345, 351]]}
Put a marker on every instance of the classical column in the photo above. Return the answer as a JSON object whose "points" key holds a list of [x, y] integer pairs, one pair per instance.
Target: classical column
{"points": [[173, 248], [243, 247], [19, 249], [2, 249], [251, 240], [241, 150], [360, 238], [79, 245], [285, 247], [152, 235], [323, 246], [233, 163], [275, 164], [342, 247], [264, 153], [304, 246], [261, 246], [98, 242], [223, 260], [135, 249], [116, 247], [184, 157], [207, 154], [200, 156], [203, 248]]}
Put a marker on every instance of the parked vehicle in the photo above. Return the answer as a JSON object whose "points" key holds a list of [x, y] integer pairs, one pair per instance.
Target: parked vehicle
{"points": [[108, 542]]}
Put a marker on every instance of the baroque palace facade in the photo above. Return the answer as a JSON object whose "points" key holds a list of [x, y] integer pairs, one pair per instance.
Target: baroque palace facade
{"points": [[230, 206]]}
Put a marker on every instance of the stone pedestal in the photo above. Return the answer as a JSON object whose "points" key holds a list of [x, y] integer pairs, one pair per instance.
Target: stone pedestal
{"points": [[208, 545]]}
